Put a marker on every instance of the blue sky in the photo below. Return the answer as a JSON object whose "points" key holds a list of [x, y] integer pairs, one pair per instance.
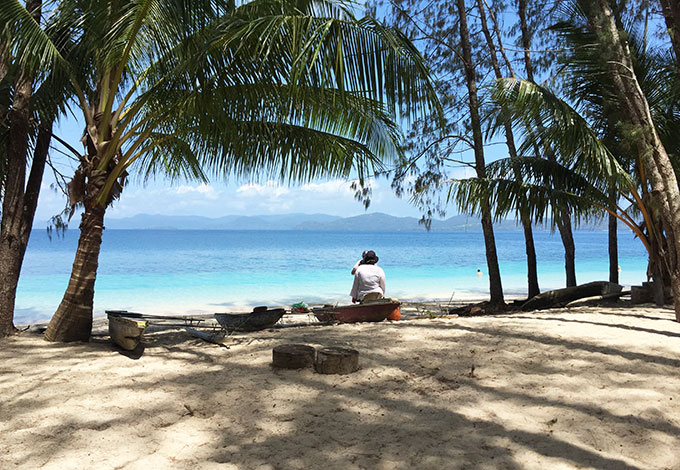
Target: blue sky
{"points": [[220, 198]]}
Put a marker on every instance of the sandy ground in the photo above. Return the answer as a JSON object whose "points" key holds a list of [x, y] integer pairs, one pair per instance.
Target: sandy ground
{"points": [[561, 389]]}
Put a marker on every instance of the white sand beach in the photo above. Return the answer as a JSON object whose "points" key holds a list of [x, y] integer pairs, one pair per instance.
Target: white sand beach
{"points": [[588, 387]]}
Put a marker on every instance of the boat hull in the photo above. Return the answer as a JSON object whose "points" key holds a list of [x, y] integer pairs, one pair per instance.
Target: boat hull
{"points": [[371, 312], [126, 332], [257, 320]]}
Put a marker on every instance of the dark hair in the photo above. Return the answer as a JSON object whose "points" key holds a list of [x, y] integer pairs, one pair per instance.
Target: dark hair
{"points": [[369, 257]]}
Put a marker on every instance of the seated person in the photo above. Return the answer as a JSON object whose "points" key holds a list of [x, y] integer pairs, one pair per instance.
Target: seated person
{"points": [[369, 279]]}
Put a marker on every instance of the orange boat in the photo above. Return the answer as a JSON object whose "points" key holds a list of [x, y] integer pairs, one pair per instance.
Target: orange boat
{"points": [[369, 312]]}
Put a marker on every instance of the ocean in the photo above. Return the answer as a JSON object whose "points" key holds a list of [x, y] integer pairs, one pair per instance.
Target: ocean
{"points": [[188, 272]]}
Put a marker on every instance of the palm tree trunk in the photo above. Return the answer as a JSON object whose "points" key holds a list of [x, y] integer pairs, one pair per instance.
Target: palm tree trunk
{"points": [[20, 198], [17, 223], [530, 248], [495, 284], [10, 267], [11, 249], [564, 227], [73, 319], [613, 246]]}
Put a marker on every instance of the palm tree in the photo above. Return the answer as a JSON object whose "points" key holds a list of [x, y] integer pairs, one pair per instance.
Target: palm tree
{"points": [[580, 183], [643, 135], [590, 86], [30, 101], [293, 89]]}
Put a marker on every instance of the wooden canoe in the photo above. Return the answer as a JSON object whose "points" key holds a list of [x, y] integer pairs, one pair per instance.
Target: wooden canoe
{"points": [[126, 332], [254, 321], [369, 312]]}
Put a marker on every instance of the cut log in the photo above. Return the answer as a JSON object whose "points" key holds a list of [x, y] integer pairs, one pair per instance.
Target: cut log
{"points": [[293, 356], [336, 360], [561, 297]]}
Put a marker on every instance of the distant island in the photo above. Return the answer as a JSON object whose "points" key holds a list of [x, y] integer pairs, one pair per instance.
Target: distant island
{"points": [[371, 222]]}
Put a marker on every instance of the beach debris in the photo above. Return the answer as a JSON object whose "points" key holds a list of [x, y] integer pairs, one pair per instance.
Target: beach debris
{"points": [[293, 356], [336, 360], [561, 297], [474, 310], [300, 307], [597, 299], [35, 329]]}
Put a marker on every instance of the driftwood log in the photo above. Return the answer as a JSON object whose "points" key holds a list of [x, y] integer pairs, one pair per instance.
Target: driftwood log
{"points": [[561, 297], [336, 360], [293, 356]]}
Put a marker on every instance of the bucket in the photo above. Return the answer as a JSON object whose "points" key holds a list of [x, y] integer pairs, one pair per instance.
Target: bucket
{"points": [[395, 315]]}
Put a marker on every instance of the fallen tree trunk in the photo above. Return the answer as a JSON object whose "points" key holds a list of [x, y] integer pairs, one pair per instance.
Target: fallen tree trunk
{"points": [[561, 297]]}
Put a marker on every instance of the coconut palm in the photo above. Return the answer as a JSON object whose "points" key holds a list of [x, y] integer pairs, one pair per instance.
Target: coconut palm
{"points": [[580, 182], [31, 100], [591, 87], [291, 89]]}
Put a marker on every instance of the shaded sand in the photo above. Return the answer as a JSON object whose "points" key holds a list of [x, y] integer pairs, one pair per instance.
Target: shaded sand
{"points": [[561, 389]]}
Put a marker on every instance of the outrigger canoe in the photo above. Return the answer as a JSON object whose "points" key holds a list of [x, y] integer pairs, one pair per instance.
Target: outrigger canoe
{"points": [[126, 332], [260, 319], [368, 312]]}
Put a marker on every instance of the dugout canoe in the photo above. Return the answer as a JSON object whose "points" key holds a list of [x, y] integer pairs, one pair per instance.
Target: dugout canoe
{"points": [[126, 332], [258, 319], [369, 312]]}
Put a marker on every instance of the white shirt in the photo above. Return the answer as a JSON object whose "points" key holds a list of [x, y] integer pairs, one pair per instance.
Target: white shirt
{"points": [[368, 278]]}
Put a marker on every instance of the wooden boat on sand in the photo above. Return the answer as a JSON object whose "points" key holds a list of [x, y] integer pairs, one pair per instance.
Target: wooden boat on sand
{"points": [[259, 319], [126, 332], [368, 312]]}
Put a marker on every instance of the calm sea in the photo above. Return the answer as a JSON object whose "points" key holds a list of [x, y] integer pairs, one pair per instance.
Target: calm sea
{"points": [[206, 271]]}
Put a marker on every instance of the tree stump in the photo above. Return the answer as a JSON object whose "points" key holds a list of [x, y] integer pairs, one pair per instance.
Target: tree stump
{"points": [[336, 361], [292, 356]]}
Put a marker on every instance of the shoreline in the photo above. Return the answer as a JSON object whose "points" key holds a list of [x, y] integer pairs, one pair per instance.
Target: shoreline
{"points": [[207, 311]]}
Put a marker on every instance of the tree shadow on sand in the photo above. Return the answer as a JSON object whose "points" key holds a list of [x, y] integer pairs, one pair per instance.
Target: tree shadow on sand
{"points": [[414, 403]]}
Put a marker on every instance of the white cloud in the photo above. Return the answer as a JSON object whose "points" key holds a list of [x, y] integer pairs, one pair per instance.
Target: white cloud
{"points": [[270, 189], [334, 187], [203, 189]]}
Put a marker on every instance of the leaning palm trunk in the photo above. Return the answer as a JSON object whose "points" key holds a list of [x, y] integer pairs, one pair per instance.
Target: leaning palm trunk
{"points": [[643, 135], [73, 319]]}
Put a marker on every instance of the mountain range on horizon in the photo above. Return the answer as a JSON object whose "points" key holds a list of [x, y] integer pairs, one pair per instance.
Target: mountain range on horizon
{"points": [[375, 221]]}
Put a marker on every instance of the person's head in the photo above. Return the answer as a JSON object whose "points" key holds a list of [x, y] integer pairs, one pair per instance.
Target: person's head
{"points": [[369, 257]]}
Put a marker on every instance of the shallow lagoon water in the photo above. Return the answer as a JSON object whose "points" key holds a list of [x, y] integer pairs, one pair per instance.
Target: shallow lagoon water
{"points": [[185, 271]]}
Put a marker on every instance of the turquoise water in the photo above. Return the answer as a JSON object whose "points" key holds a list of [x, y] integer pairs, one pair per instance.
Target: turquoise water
{"points": [[207, 271]]}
